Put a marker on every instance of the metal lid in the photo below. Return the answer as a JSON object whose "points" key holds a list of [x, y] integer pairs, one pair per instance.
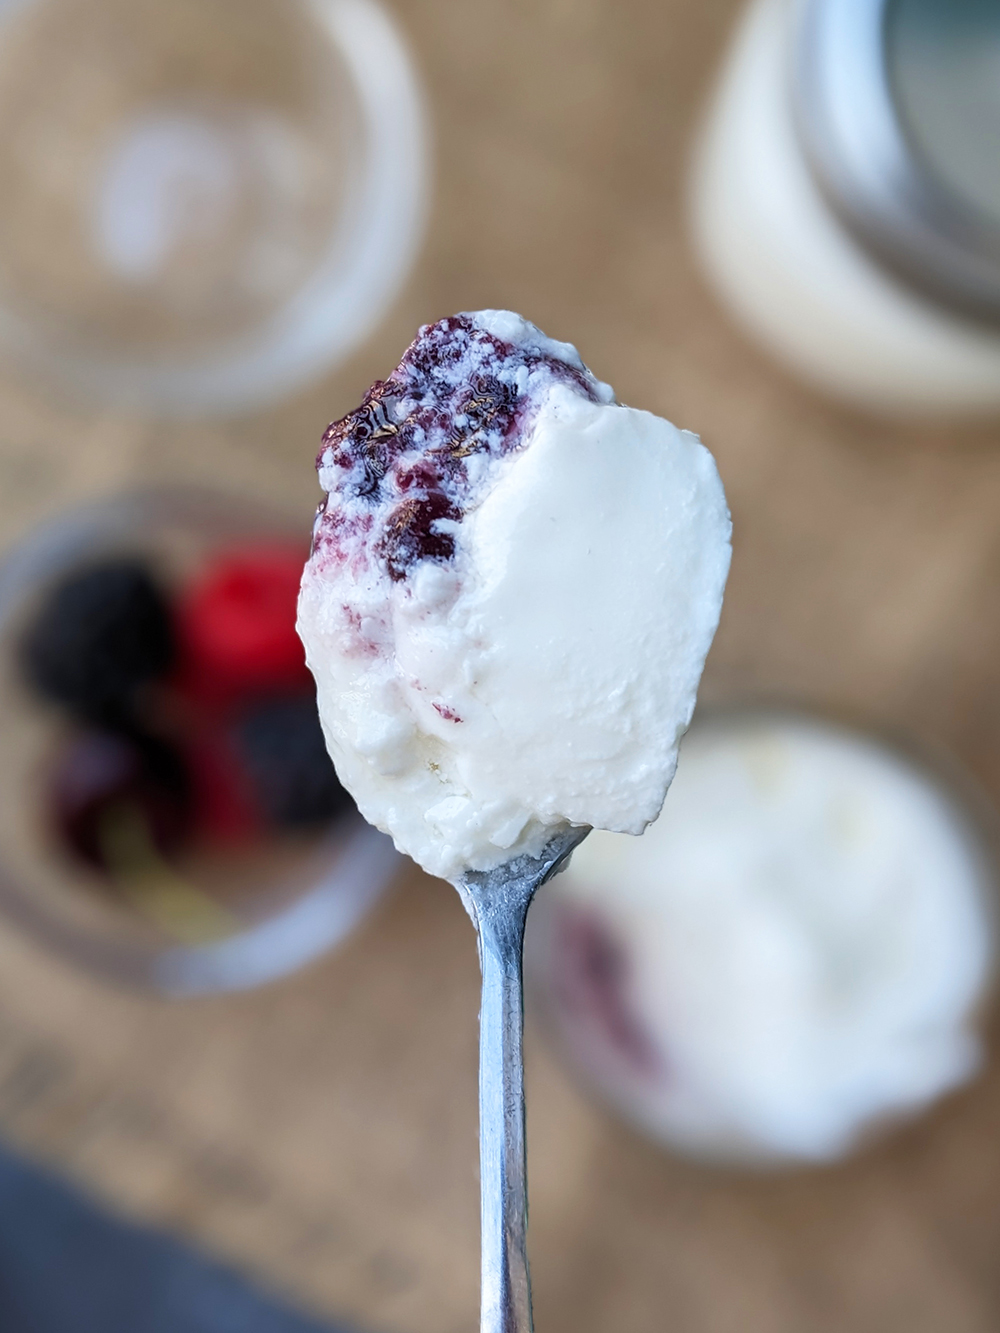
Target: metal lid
{"points": [[897, 104]]}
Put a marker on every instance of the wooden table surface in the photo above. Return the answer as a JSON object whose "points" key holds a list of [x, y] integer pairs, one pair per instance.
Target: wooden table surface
{"points": [[322, 1132]]}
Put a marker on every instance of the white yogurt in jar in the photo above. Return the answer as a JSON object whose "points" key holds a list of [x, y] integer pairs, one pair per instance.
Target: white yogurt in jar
{"points": [[793, 953]]}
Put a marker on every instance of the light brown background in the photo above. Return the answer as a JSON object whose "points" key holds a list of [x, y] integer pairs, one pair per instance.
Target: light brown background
{"points": [[322, 1132]]}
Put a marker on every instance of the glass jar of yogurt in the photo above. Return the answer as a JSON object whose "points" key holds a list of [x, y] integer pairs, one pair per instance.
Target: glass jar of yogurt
{"points": [[796, 953]]}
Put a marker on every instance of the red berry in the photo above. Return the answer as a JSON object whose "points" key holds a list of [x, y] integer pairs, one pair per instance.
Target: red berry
{"points": [[236, 626], [226, 805]]}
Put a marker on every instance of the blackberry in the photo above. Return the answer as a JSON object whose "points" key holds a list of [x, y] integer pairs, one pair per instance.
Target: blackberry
{"points": [[101, 633], [282, 746]]}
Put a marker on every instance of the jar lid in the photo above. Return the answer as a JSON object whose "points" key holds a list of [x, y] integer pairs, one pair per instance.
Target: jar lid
{"points": [[897, 104]]}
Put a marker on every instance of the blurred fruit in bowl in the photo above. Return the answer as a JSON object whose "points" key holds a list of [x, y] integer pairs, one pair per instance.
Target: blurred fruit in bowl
{"points": [[227, 747], [172, 765]]}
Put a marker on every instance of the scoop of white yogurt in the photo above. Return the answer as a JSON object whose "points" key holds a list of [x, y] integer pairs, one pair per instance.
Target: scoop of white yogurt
{"points": [[795, 951], [513, 586]]}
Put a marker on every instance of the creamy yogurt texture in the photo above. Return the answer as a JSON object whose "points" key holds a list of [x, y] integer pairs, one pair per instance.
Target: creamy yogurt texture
{"points": [[513, 586], [794, 951]]}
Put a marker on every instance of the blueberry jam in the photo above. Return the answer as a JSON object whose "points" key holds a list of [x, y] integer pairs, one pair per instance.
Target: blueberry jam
{"points": [[403, 468]]}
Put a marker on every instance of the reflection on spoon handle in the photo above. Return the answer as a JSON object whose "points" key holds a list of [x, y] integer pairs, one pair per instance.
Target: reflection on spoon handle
{"points": [[500, 899], [506, 1293]]}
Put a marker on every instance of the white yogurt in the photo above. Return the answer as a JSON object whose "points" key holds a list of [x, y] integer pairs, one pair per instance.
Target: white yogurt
{"points": [[792, 953], [514, 584]]}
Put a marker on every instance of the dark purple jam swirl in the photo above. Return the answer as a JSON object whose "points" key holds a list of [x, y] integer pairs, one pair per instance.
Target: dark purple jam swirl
{"points": [[401, 469]]}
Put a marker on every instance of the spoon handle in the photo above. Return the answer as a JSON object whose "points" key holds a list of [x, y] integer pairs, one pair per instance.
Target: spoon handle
{"points": [[500, 899], [506, 1291]]}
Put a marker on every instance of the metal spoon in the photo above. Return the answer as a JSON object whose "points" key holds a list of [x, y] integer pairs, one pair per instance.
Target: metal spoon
{"points": [[498, 901]]}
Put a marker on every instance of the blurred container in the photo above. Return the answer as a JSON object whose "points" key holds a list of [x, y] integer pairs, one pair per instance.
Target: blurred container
{"points": [[233, 916], [204, 202], [797, 953], [846, 196]]}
